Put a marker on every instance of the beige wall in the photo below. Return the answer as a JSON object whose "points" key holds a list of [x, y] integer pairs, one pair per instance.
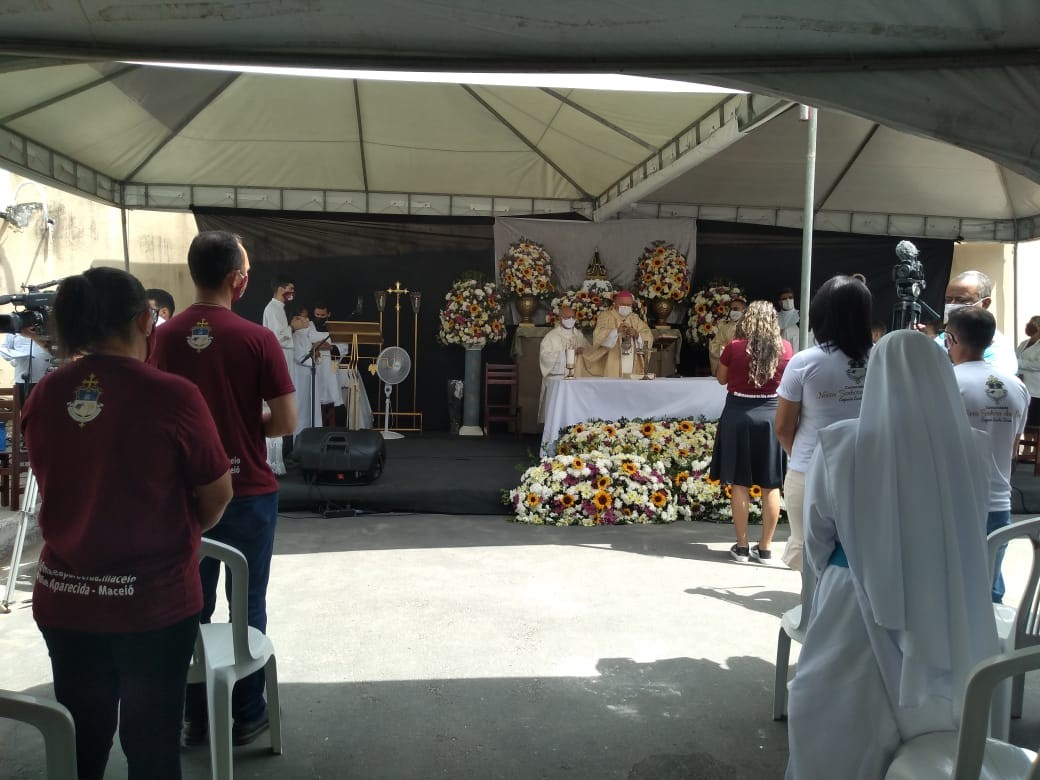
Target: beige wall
{"points": [[1028, 281], [86, 234]]}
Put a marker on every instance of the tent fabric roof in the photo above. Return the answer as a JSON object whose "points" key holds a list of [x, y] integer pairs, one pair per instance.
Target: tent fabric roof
{"points": [[966, 72]]}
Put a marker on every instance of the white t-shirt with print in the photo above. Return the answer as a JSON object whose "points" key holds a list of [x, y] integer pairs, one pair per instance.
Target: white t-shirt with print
{"points": [[829, 386], [996, 403]]}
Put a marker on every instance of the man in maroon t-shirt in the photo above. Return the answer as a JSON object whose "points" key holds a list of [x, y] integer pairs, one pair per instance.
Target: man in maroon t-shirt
{"points": [[237, 365]]}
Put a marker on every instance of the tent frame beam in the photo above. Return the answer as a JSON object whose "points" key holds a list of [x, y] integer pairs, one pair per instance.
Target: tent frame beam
{"points": [[555, 95], [68, 94]]}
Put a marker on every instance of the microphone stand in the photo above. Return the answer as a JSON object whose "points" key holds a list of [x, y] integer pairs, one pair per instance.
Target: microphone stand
{"points": [[314, 370]]}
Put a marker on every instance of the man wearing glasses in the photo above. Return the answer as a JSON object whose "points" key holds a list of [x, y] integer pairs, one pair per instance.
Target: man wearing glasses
{"points": [[974, 288]]}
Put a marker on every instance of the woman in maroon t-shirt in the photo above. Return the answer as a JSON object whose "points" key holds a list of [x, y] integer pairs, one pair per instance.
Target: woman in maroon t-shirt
{"points": [[131, 469], [746, 450]]}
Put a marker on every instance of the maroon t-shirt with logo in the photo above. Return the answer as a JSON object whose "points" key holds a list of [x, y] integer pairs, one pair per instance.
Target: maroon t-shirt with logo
{"points": [[237, 365], [118, 448]]}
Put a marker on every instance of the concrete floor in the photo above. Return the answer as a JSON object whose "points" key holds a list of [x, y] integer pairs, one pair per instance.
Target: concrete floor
{"points": [[419, 646]]}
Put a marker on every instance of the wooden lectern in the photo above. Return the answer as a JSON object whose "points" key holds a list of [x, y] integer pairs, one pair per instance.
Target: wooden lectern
{"points": [[358, 335]]}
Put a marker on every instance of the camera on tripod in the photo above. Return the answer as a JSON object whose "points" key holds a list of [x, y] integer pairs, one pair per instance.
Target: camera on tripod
{"points": [[908, 277], [35, 310]]}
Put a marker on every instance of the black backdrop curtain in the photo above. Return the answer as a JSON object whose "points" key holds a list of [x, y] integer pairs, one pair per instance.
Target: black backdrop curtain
{"points": [[343, 259]]}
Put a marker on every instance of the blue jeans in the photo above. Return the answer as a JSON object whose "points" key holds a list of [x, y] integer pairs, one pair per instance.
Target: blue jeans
{"points": [[248, 525], [995, 521]]}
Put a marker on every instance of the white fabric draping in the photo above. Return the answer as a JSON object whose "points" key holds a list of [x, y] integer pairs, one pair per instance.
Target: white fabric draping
{"points": [[571, 245], [570, 401], [359, 416]]}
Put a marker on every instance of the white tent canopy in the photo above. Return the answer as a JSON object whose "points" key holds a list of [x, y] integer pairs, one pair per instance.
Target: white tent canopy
{"points": [[899, 78]]}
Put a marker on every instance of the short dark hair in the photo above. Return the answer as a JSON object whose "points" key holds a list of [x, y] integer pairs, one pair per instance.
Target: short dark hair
{"points": [[320, 304], [162, 299], [784, 291], [295, 307], [214, 254], [879, 327], [281, 280], [972, 326], [92, 307], [839, 315]]}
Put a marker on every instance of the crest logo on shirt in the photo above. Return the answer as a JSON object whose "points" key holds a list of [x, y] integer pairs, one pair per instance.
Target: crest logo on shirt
{"points": [[86, 406], [995, 388], [200, 337], [857, 371]]}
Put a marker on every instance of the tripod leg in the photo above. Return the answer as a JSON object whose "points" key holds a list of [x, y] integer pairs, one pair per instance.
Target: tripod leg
{"points": [[28, 509]]}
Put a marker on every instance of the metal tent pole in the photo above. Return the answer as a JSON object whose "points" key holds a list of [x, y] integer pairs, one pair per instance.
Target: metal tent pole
{"points": [[810, 114]]}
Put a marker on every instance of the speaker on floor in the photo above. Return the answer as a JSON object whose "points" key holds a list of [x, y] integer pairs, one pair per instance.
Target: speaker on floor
{"points": [[338, 456]]}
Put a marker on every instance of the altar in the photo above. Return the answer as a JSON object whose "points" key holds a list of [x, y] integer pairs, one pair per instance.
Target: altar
{"points": [[570, 401]]}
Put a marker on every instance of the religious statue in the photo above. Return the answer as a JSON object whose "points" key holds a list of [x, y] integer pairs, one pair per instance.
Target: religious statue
{"points": [[618, 341]]}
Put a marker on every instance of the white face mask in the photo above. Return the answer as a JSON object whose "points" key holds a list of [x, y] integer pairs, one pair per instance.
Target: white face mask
{"points": [[624, 311], [952, 307], [787, 304], [568, 322], [736, 314]]}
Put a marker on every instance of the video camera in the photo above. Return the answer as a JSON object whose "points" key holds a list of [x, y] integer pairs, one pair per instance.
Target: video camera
{"points": [[35, 309], [908, 277]]}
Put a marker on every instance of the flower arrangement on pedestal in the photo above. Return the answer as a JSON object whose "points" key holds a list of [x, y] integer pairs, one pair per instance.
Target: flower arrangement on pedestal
{"points": [[708, 307], [662, 273], [588, 302], [472, 314], [525, 269], [679, 451]]}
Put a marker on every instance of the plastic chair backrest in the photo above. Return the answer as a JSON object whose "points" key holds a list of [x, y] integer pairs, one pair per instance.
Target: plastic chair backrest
{"points": [[239, 571], [54, 722], [809, 579], [1027, 622]]}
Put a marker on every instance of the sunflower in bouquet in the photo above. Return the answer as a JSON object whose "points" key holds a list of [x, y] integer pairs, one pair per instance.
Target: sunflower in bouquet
{"points": [[662, 273], [525, 269], [708, 307], [472, 314]]}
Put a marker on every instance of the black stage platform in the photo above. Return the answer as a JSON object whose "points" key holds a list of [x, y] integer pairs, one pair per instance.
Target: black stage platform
{"points": [[433, 473]]}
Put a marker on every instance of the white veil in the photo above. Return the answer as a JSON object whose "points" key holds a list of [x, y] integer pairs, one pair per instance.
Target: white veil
{"points": [[911, 497]]}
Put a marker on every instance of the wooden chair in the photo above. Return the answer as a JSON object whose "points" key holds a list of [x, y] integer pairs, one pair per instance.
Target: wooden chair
{"points": [[13, 461], [502, 375], [1029, 448]]}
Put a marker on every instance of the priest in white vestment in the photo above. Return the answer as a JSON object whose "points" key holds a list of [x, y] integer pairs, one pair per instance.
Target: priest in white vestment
{"points": [[725, 332], [789, 317], [283, 291], [618, 340], [307, 377], [895, 514], [553, 351]]}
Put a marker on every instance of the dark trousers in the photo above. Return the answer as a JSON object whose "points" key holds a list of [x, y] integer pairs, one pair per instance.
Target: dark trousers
{"points": [[248, 525], [137, 678]]}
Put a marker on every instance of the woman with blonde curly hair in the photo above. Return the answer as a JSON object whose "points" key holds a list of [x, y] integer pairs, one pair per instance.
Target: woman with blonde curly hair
{"points": [[746, 448]]}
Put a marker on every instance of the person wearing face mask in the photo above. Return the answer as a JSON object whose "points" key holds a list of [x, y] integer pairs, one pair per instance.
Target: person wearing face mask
{"points": [[974, 288], [1028, 353], [330, 396], [788, 316], [552, 353], [725, 332], [618, 340], [239, 366], [283, 291], [116, 596]]}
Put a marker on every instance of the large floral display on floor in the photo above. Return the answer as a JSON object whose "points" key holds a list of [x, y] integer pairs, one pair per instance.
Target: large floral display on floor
{"points": [[627, 471]]}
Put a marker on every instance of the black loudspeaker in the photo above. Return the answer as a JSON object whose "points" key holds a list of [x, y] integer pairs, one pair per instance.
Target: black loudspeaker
{"points": [[338, 456]]}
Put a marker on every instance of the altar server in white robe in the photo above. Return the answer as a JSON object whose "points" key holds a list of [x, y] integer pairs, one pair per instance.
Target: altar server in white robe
{"points": [[552, 352], [895, 509], [283, 291], [789, 317], [305, 337]]}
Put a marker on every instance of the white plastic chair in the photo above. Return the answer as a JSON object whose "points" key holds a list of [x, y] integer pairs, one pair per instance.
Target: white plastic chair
{"points": [[227, 652], [1019, 626], [54, 722], [793, 624], [968, 753]]}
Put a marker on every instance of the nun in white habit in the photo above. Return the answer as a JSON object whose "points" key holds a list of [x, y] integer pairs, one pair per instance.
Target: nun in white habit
{"points": [[895, 515]]}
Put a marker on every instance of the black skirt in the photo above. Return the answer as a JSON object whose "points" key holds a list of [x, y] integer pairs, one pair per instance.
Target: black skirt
{"points": [[746, 449]]}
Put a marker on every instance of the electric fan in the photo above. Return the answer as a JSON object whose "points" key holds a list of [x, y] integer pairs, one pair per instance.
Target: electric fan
{"points": [[392, 367]]}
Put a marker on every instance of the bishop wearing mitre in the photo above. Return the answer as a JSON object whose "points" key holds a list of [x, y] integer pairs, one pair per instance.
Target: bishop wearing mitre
{"points": [[618, 340], [553, 352]]}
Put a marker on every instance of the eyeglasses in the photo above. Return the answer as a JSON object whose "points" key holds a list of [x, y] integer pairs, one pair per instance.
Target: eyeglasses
{"points": [[963, 300]]}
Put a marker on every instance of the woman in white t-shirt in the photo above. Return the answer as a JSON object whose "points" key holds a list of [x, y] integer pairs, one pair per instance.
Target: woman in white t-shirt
{"points": [[822, 384], [1028, 354]]}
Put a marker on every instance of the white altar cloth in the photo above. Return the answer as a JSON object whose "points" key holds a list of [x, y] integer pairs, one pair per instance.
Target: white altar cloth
{"points": [[574, 400]]}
